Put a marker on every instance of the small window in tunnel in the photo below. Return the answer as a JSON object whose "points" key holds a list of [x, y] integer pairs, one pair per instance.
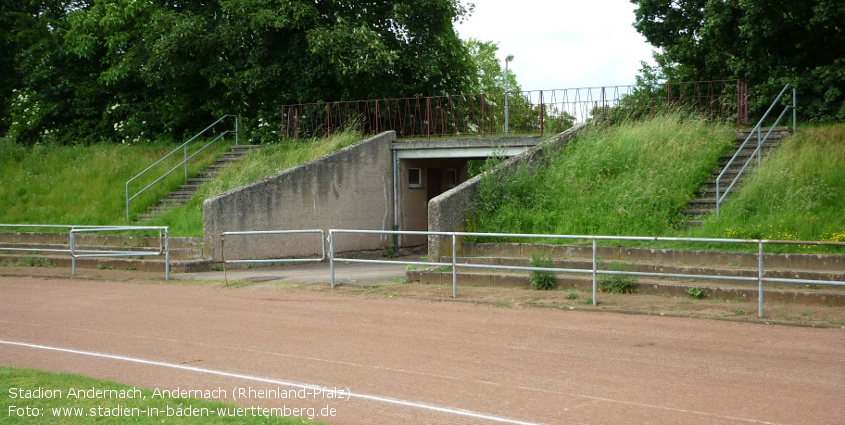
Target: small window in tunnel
{"points": [[414, 178]]}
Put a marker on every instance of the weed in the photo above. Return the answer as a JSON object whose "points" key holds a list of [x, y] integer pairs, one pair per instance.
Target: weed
{"points": [[617, 283], [739, 311], [410, 267], [217, 269], [131, 268], [540, 279], [101, 267], [572, 295], [503, 303], [389, 251], [697, 293], [31, 262]]}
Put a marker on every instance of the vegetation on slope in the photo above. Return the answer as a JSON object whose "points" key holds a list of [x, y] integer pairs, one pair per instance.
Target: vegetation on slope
{"points": [[51, 184], [86, 184], [798, 194], [634, 179], [630, 179]]}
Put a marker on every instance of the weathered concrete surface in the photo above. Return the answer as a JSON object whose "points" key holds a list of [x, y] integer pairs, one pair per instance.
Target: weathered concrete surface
{"points": [[348, 189], [465, 148], [448, 212]]}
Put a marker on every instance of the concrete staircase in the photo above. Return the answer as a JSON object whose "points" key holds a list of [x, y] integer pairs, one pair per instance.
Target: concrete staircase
{"points": [[704, 201], [829, 267], [186, 254], [186, 191]]}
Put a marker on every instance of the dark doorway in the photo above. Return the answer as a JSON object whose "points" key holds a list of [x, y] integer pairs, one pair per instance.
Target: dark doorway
{"points": [[433, 182]]}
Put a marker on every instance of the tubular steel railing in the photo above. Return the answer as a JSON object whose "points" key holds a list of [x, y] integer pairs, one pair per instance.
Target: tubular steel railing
{"points": [[758, 153], [595, 270], [529, 112], [184, 164], [271, 260], [163, 248]]}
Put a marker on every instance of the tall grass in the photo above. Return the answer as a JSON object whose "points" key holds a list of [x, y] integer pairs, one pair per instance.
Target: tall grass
{"points": [[629, 179], [82, 184], [798, 194], [269, 160]]}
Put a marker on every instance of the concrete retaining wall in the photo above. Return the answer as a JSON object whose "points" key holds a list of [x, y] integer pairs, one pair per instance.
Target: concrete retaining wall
{"points": [[349, 189], [448, 212]]}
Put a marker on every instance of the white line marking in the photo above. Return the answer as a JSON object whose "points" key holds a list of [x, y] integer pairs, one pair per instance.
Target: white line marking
{"points": [[413, 372], [388, 400]]}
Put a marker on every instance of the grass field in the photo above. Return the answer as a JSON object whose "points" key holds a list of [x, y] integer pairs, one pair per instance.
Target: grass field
{"points": [[36, 397]]}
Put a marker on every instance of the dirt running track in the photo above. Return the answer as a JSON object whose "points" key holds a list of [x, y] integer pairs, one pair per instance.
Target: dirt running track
{"points": [[419, 362]]}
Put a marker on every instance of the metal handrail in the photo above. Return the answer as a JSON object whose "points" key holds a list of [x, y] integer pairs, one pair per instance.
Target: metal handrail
{"points": [[163, 248], [760, 141], [184, 163], [594, 270]]}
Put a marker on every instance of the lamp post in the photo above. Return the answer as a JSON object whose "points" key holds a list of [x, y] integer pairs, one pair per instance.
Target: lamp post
{"points": [[507, 87]]}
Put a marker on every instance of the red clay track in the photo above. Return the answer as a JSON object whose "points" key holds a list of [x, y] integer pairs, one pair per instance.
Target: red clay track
{"points": [[529, 365]]}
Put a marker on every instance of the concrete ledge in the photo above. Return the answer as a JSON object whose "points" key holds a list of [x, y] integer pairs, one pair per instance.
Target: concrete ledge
{"points": [[770, 296]]}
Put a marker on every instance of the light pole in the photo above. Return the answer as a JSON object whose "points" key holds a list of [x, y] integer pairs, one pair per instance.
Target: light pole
{"points": [[507, 87]]}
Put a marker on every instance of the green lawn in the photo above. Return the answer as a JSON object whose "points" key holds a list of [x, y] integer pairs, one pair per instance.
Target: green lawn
{"points": [[35, 397]]}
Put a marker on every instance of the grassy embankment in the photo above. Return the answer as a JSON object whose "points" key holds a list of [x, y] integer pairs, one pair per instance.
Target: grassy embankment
{"points": [[144, 410], [86, 185], [634, 179]]}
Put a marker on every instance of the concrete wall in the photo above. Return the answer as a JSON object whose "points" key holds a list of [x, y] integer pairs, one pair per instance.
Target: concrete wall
{"points": [[448, 212], [349, 189]]}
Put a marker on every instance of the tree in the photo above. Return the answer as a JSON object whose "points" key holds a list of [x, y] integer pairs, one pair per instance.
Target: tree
{"points": [[765, 43], [120, 69], [489, 76]]}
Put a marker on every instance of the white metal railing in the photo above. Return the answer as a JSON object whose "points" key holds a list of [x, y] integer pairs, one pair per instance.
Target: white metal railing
{"points": [[73, 230], [758, 153], [184, 164], [595, 270], [271, 260]]}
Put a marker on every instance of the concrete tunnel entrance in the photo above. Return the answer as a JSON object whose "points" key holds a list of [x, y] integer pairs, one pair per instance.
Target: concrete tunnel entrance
{"points": [[424, 169]]}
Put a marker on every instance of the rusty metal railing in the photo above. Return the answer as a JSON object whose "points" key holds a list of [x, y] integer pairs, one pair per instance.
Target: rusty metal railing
{"points": [[530, 112]]}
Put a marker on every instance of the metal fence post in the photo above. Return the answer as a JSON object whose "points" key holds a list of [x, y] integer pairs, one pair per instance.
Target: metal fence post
{"points": [[454, 267], [166, 252], [331, 258], [760, 279], [72, 256], [595, 273], [794, 110], [185, 152]]}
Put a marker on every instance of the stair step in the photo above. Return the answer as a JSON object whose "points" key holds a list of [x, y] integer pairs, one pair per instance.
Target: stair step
{"points": [[698, 211], [185, 192]]}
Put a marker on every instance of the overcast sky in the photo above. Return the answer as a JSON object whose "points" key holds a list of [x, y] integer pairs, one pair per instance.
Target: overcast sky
{"points": [[561, 44]]}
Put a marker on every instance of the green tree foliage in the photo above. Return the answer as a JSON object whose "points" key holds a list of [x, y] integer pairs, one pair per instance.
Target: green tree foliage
{"points": [[489, 75], [128, 70], [765, 43]]}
